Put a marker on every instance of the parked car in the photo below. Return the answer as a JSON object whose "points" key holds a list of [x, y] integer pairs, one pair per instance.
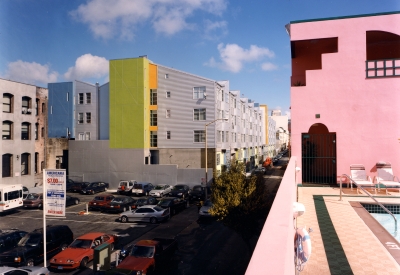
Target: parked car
{"points": [[147, 213], [198, 192], [180, 191], [71, 200], [78, 186], [30, 248], [95, 187], [259, 171], [69, 184], [119, 204], [173, 204], [160, 190], [204, 210], [25, 270], [81, 251], [99, 202], [145, 201], [142, 188], [33, 200], [125, 186], [9, 239]]}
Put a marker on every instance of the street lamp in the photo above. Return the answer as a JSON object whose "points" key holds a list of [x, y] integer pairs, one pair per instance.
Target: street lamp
{"points": [[225, 119]]}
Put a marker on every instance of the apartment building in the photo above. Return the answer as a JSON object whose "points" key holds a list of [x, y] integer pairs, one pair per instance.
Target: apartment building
{"points": [[345, 92], [23, 133], [281, 130]]}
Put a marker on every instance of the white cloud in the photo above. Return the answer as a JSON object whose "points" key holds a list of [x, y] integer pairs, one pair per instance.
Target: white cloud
{"points": [[107, 19], [30, 73], [268, 66], [233, 56], [88, 66], [215, 30]]}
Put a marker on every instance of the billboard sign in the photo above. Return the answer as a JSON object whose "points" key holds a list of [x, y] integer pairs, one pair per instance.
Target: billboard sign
{"points": [[55, 192]]}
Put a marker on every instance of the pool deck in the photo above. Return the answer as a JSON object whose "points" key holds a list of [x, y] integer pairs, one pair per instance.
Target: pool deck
{"points": [[342, 242]]}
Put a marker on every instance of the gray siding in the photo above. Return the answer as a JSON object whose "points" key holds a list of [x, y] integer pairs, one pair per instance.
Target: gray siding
{"points": [[82, 87]]}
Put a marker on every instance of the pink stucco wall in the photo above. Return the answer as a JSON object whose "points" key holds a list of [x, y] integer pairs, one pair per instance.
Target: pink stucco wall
{"points": [[364, 113]]}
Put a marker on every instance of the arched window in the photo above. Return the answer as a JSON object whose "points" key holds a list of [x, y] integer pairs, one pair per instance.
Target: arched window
{"points": [[7, 103], [25, 160], [7, 129], [25, 131], [26, 105], [7, 165]]}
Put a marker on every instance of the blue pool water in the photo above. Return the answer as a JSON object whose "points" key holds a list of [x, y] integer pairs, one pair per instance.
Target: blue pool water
{"points": [[388, 223]]}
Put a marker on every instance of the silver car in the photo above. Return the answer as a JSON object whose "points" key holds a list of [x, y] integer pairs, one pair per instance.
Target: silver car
{"points": [[146, 213], [160, 190], [204, 210], [25, 270]]}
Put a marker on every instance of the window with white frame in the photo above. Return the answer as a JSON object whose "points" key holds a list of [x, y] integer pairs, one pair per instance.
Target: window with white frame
{"points": [[81, 136], [227, 136], [199, 136], [7, 129], [223, 136], [80, 118], [198, 92], [80, 98], [166, 76], [199, 114], [218, 136], [153, 138], [153, 117], [218, 159], [25, 131], [7, 103], [88, 98], [168, 94], [88, 118], [167, 113], [226, 98], [153, 97], [87, 136], [168, 134]]}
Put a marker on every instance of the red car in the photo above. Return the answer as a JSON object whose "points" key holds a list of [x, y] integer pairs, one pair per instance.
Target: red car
{"points": [[81, 251], [100, 202]]}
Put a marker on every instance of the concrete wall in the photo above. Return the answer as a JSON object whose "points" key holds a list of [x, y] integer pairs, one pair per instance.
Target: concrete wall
{"points": [[95, 161], [364, 113]]}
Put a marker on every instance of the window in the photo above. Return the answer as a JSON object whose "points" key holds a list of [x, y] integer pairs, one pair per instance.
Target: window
{"points": [[81, 136], [41, 165], [168, 94], [199, 114], [80, 118], [227, 136], [37, 107], [167, 113], [36, 131], [166, 76], [88, 117], [226, 98], [36, 162], [7, 103], [42, 132], [199, 92], [26, 104], [67, 96], [25, 130], [80, 98], [153, 97], [168, 134], [153, 138], [88, 98], [7, 129], [218, 159], [153, 118], [44, 108], [218, 136], [87, 136], [223, 136], [7, 167], [199, 136], [25, 163]]}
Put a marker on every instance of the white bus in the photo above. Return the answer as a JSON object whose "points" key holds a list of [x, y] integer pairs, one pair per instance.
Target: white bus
{"points": [[10, 197]]}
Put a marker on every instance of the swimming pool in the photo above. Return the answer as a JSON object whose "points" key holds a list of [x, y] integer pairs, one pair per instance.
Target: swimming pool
{"points": [[385, 219]]}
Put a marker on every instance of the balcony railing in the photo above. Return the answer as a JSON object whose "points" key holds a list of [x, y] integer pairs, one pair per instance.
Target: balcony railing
{"points": [[382, 68]]}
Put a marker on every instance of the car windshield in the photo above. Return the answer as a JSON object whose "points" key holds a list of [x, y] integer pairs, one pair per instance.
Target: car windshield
{"points": [[208, 203], [197, 188], [163, 202], [137, 186], [142, 251], [32, 197], [80, 243], [119, 200], [99, 198], [179, 187], [157, 208], [141, 201], [159, 187], [30, 240]]}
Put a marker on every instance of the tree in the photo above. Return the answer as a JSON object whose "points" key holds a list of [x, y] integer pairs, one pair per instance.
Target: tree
{"points": [[240, 203]]}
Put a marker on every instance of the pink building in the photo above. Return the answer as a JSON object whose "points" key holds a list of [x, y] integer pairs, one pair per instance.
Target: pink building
{"points": [[345, 95]]}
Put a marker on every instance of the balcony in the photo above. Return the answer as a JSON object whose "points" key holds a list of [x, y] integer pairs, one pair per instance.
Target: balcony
{"points": [[382, 68]]}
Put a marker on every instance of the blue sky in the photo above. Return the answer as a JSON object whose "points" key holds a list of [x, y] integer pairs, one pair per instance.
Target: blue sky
{"points": [[243, 41]]}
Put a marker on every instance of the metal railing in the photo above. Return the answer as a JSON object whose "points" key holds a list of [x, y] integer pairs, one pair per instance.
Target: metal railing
{"points": [[365, 191]]}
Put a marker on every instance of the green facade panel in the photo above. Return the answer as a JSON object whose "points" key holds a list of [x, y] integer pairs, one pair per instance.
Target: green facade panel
{"points": [[128, 103]]}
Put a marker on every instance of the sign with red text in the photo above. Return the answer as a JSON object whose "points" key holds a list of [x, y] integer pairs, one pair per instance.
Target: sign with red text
{"points": [[55, 189]]}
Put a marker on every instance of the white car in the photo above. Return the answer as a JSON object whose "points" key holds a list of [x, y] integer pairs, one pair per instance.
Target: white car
{"points": [[160, 190], [204, 210], [24, 270]]}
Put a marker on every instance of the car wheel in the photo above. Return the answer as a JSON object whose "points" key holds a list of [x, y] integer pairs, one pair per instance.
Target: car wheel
{"points": [[124, 219], [30, 262], [63, 246], [83, 263], [153, 220]]}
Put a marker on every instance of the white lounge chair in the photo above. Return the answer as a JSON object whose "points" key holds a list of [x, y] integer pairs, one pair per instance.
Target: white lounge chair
{"points": [[385, 176], [360, 178]]}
